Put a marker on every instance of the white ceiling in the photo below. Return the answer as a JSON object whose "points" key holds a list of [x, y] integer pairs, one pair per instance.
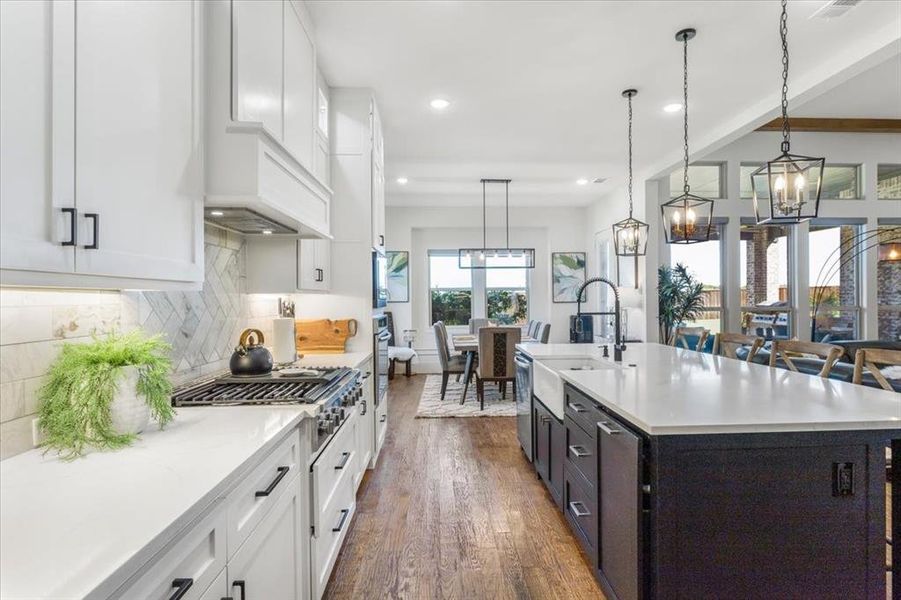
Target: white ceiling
{"points": [[535, 86], [874, 94]]}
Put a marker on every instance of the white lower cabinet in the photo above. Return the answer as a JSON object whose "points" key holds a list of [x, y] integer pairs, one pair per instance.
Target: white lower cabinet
{"points": [[335, 518], [268, 564], [381, 426], [365, 430]]}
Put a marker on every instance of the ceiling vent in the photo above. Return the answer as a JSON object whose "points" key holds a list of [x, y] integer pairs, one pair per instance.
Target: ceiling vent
{"points": [[834, 8]]}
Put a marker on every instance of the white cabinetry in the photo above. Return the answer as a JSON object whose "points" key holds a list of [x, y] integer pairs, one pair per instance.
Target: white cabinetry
{"points": [[257, 63], [365, 430], [378, 181], [300, 88], [315, 265], [101, 125], [280, 265]]}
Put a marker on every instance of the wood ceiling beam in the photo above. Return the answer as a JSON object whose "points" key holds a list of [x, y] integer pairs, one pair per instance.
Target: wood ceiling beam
{"points": [[836, 125]]}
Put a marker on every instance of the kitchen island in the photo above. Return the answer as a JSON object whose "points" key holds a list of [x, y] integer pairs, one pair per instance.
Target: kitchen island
{"points": [[690, 475]]}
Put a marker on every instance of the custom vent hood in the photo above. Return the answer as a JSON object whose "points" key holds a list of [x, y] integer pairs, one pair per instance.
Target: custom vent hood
{"points": [[243, 220]]}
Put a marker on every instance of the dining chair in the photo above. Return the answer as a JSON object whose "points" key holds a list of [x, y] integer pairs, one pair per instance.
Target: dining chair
{"points": [[726, 344], [544, 333], [529, 326], [788, 349], [477, 323], [533, 329], [497, 346], [398, 354], [450, 364], [680, 337], [870, 359]]}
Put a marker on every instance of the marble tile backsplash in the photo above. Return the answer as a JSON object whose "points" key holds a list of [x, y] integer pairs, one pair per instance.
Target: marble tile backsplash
{"points": [[202, 327]]}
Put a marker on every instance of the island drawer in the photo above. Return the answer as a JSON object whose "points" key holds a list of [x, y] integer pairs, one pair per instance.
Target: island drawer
{"points": [[581, 453], [580, 508], [581, 409]]}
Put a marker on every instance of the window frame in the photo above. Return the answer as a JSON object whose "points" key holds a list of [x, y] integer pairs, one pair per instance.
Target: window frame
{"points": [[790, 276], [858, 261], [449, 253], [880, 308], [721, 226], [878, 165], [528, 289], [722, 184]]}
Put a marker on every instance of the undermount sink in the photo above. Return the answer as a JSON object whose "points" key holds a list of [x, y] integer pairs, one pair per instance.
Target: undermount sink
{"points": [[547, 385]]}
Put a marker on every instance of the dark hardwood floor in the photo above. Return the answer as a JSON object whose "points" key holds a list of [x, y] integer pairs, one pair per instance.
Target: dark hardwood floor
{"points": [[454, 510]]}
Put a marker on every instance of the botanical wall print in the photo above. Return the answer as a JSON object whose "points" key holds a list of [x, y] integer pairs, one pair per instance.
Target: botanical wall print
{"points": [[567, 275], [398, 276]]}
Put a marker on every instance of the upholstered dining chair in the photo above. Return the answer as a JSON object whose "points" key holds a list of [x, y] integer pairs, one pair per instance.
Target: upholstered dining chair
{"points": [[530, 326], [788, 349], [870, 360], [681, 335], [497, 346], [397, 354], [534, 326], [725, 344], [449, 364], [544, 333]]}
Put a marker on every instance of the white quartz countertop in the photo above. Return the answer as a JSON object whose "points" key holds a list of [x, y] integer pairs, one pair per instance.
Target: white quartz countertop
{"points": [[538, 351], [673, 391], [70, 528], [353, 360]]}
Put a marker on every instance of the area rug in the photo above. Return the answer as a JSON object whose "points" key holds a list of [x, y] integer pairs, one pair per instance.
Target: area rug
{"points": [[431, 406]]}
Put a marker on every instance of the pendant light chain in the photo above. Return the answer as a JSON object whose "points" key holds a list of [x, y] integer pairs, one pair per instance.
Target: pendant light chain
{"points": [[783, 32], [685, 106], [630, 154]]}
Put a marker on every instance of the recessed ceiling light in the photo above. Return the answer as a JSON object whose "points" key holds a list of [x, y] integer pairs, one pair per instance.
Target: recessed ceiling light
{"points": [[439, 103], [267, 232], [216, 213], [402, 180], [582, 181], [671, 108]]}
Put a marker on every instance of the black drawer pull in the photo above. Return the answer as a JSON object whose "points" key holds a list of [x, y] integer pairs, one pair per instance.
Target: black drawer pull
{"points": [[345, 456], [95, 241], [340, 526], [383, 418], [241, 585], [579, 451], [574, 509], [282, 471], [363, 408], [603, 426], [181, 585], [73, 226]]}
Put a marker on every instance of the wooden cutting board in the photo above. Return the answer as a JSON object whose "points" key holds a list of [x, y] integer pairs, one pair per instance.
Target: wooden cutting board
{"points": [[324, 335]]}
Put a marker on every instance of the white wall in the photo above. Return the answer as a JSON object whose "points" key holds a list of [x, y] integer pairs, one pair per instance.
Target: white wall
{"points": [[418, 229]]}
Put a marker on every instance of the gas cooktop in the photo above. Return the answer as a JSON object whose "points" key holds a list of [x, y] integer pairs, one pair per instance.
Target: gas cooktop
{"points": [[297, 386]]}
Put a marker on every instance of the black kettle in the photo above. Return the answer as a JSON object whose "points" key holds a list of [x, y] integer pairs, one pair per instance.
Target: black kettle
{"points": [[250, 356]]}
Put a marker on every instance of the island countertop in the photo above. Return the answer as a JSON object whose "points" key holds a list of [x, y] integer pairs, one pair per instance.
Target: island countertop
{"points": [[671, 391], [71, 529]]}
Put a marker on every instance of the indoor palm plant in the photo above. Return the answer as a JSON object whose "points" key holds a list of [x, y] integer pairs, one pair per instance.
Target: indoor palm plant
{"points": [[681, 299], [101, 394]]}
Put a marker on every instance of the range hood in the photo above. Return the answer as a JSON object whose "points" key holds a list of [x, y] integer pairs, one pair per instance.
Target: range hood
{"points": [[244, 220]]}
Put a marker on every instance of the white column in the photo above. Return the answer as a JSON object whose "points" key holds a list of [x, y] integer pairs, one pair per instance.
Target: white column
{"points": [[800, 281]]}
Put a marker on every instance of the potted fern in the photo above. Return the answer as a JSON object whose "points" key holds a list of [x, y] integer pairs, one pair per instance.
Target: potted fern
{"points": [[102, 394], [680, 297]]}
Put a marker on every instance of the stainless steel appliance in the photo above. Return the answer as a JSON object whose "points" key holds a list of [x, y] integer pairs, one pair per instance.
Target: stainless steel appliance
{"points": [[381, 337], [524, 402], [379, 279], [337, 390]]}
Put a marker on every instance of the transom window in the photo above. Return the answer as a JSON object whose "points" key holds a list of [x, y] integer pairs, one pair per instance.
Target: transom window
{"points": [[707, 180]]}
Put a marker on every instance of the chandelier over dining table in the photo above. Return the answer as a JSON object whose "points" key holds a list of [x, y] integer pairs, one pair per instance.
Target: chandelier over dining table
{"points": [[505, 257]]}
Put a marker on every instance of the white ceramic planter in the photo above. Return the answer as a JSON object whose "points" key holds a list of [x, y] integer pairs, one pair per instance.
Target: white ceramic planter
{"points": [[129, 412]]}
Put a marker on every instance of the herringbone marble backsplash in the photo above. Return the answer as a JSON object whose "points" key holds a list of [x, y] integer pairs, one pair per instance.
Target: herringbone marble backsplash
{"points": [[202, 327]]}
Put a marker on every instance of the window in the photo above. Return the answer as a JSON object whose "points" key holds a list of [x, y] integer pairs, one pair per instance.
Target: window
{"points": [[703, 261], [839, 182], [888, 286], [834, 281], [507, 291], [450, 289], [888, 182], [765, 294], [707, 180]]}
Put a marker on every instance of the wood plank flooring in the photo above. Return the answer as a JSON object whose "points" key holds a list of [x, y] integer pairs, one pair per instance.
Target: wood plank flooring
{"points": [[454, 510]]}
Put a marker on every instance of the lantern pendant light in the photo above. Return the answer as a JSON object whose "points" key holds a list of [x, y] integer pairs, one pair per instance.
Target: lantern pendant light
{"points": [[786, 190], [630, 236], [687, 218]]}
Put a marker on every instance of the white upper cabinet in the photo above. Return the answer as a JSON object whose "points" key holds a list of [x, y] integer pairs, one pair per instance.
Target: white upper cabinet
{"points": [[300, 88], [138, 134], [100, 149], [378, 181], [257, 62]]}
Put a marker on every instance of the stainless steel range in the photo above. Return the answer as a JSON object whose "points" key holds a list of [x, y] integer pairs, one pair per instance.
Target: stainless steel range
{"points": [[336, 390]]}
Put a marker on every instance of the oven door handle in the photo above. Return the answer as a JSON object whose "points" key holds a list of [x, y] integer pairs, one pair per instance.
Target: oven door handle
{"points": [[384, 336]]}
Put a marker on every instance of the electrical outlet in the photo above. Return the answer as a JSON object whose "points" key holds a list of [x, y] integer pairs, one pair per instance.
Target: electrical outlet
{"points": [[842, 479], [37, 436]]}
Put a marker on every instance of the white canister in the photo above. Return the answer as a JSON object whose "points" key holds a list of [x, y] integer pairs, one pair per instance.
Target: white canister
{"points": [[129, 411], [284, 349]]}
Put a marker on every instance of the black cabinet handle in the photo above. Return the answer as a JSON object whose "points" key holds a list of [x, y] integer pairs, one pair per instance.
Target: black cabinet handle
{"points": [[340, 526], [579, 451], [181, 585], [574, 509], [241, 585], [383, 419], [576, 407], [381, 240], [73, 226], [545, 419], [95, 242], [345, 456], [282, 471], [320, 275], [363, 409]]}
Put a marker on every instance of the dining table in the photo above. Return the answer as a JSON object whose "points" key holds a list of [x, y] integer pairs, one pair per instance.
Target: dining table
{"points": [[468, 345]]}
